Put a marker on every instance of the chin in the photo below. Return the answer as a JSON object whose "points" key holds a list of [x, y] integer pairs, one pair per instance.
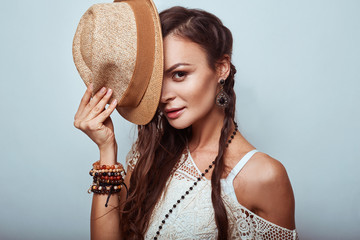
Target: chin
{"points": [[178, 123]]}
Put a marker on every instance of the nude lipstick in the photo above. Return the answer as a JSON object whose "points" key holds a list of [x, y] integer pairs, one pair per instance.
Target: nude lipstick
{"points": [[173, 113]]}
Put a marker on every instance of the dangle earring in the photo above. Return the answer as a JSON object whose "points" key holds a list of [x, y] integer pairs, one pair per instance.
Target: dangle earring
{"points": [[222, 99]]}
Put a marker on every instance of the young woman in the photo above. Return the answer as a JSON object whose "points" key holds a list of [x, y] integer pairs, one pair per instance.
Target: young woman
{"points": [[191, 174]]}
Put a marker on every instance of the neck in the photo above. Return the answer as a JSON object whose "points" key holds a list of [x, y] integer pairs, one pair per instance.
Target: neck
{"points": [[206, 132]]}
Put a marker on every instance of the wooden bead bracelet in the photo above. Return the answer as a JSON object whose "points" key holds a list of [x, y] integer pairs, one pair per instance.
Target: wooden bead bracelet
{"points": [[114, 173], [97, 166], [107, 179], [105, 189]]}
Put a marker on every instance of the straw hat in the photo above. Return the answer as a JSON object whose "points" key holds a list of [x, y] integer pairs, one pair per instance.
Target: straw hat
{"points": [[119, 45]]}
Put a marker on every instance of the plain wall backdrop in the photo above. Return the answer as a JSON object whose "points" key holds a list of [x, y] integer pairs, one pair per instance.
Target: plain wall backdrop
{"points": [[298, 98]]}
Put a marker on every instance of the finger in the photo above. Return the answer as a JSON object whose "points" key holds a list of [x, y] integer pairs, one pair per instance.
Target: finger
{"points": [[100, 106], [84, 100], [93, 102], [107, 112]]}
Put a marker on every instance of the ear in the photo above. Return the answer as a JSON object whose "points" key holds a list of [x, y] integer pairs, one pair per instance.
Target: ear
{"points": [[223, 67]]}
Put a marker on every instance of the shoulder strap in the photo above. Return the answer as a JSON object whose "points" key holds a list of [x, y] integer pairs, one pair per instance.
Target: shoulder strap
{"points": [[240, 165]]}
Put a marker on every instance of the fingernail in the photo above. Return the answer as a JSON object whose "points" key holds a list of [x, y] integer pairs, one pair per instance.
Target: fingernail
{"points": [[114, 102], [103, 89], [91, 86], [109, 91]]}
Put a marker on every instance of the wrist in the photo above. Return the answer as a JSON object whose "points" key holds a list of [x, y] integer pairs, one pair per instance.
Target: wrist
{"points": [[108, 154]]}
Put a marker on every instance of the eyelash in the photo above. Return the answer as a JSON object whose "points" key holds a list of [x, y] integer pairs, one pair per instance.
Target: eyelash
{"points": [[182, 73]]}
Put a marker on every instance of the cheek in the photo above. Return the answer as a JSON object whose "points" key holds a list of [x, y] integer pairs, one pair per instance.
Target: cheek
{"points": [[202, 95]]}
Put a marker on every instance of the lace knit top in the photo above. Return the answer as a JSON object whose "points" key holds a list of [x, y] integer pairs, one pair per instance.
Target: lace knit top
{"points": [[193, 218]]}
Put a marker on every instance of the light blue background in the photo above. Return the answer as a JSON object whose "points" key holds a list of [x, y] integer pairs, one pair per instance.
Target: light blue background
{"points": [[298, 100]]}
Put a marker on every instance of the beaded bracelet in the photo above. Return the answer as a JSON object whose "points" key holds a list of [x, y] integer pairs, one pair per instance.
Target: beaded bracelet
{"points": [[97, 166], [107, 179], [98, 189], [108, 189], [107, 170], [99, 173]]}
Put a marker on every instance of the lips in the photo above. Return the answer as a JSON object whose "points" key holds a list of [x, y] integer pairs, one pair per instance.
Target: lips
{"points": [[174, 113]]}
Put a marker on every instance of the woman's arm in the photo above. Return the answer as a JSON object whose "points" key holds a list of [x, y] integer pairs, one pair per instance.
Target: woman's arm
{"points": [[94, 120], [105, 221]]}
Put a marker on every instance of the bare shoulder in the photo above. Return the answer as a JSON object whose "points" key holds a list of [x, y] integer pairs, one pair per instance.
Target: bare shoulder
{"points": [[268, 170], [264, 187]]}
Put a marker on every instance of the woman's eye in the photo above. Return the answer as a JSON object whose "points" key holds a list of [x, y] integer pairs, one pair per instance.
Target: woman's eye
{"points": [[178, 76]]}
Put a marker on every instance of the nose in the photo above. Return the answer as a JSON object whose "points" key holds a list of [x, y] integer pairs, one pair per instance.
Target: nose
{"points": [[167, 93]]}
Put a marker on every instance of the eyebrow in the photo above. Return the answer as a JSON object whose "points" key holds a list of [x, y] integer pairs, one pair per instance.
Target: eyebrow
{"points": [[176, 66]]}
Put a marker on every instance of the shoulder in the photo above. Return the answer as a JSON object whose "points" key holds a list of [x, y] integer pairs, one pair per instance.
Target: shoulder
{"points": [[266, 171], [266, 185]]}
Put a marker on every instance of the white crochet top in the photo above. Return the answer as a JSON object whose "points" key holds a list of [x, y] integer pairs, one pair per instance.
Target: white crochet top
{"points": [[193, 217]]}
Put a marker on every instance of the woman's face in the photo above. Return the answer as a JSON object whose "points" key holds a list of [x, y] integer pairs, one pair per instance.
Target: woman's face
{"points": [[189, 85]]}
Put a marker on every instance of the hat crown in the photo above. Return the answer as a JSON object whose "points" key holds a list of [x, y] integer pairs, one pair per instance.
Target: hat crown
{"points": [[109, 45]]}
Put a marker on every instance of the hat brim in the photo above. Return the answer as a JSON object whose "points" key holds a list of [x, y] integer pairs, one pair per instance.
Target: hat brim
{"points": [[145, 111]]}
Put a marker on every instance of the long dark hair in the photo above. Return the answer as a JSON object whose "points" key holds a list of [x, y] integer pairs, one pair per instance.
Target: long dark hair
{"points": [[160, 145]]}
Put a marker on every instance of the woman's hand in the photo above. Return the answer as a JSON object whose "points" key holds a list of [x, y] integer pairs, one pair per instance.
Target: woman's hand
{"points": [[93, 119]]}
